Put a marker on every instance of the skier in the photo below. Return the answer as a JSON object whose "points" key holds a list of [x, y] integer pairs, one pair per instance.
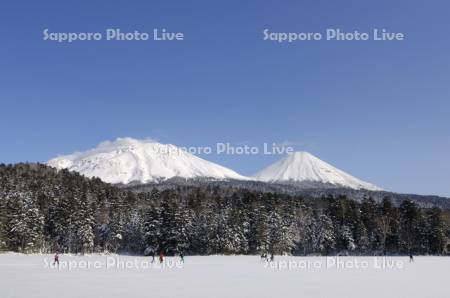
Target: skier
{"points": [[153, 256], [272, 257], [56, 259], [411, 258], [161, 256], [182, 256]]}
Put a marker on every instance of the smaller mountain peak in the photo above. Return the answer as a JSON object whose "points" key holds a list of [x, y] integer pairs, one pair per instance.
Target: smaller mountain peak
{"points": [[302, 166]]}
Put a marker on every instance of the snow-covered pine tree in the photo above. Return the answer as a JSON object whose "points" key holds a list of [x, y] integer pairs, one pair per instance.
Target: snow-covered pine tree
{"points": [[133, 234], [152, 230], [81, 225], [434, 231], [24, 223], [281, 232], [323, 238]]}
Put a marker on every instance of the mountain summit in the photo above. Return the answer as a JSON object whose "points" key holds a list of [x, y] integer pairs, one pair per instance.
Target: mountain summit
{"points": [[128, 160], [305, 168]]}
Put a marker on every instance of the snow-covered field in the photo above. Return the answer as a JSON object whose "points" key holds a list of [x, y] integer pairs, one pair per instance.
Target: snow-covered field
{"points": [[223, 276]]}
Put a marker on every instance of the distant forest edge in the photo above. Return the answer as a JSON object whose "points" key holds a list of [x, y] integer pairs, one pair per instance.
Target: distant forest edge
{"points": [[303, 189], [44, 210]]}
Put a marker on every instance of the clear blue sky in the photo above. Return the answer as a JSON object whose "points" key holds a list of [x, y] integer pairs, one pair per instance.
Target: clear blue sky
{"points": [[378, 110]]}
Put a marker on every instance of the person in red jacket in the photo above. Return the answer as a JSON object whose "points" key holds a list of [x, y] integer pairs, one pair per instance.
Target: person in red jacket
{"points": [[161, 256]]}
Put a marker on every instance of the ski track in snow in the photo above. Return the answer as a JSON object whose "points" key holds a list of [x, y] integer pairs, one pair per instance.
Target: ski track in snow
{"points": [[25, 276]]}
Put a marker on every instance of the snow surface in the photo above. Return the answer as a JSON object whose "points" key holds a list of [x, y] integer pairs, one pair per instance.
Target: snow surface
{"points": [[26, 276], [304, 167], [130, 160]]}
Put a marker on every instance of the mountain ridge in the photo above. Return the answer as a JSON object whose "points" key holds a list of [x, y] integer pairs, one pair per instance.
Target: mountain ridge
{"points": [[128, 160]]}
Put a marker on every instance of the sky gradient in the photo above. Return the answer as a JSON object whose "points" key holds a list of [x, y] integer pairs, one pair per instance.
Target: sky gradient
{"points": [[378, 110]]}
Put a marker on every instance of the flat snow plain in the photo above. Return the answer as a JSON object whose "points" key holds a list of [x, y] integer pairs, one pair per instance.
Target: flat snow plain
{"points": [[223, 276]]}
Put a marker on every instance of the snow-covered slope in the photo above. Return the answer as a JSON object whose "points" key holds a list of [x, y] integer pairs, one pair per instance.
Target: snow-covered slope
{"points": [[303, 167], [129, 160]]}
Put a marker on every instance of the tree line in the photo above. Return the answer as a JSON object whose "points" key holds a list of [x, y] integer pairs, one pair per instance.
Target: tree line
{"points": [[44, 210]]}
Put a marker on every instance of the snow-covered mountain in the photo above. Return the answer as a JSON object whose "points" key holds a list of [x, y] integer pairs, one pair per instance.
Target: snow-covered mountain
{"points": [[303, 167], [128, 160]]}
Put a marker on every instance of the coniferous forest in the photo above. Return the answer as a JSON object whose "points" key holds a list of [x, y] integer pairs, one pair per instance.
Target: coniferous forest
{"points": [[44, 210]]}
